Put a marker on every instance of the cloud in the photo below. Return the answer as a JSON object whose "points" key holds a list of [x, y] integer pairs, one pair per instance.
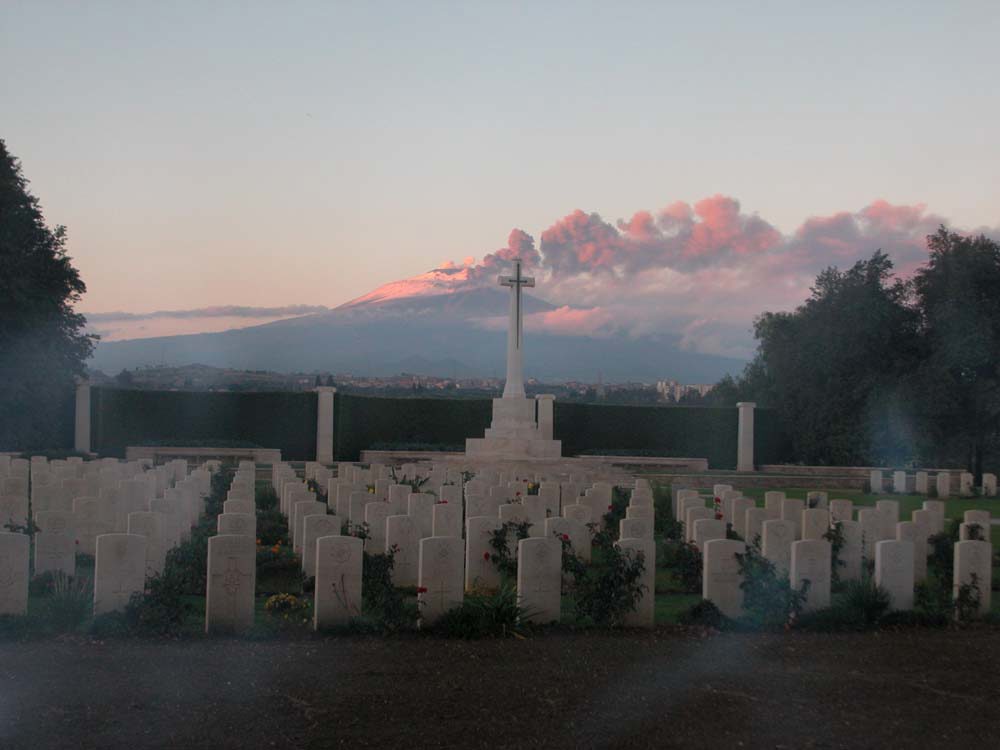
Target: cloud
{"points": [[700, 271], [230, 311]]}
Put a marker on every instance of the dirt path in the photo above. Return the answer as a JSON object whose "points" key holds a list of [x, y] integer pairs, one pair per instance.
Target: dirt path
{"points": [[910, 689]]}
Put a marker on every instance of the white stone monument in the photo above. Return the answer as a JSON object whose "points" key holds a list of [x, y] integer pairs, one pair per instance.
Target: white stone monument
{"points": [[514, 433]]}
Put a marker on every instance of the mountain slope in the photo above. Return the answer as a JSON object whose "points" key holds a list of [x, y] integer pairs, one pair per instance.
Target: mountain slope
{"points": [[426, 332]]}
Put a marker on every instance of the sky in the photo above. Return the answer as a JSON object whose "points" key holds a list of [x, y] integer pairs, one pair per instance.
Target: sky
{"points": [[268, 155]]}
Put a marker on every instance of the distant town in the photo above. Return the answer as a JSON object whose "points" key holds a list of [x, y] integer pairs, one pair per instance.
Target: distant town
{"points": [[206, 378]]}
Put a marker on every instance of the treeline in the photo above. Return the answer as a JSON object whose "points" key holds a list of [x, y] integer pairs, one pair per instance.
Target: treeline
{"points": [[877, 370]]}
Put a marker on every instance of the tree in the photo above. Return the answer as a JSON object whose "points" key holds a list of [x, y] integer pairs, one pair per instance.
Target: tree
{"points": [[42, 343], [835, 367], [958, 297]]}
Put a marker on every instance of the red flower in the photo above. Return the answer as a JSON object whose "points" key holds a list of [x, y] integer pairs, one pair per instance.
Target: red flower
{"points": [[486, 555], [443, 502], [609, 507], [422, 590], [517, 494], [718, 516], [565, 537]]}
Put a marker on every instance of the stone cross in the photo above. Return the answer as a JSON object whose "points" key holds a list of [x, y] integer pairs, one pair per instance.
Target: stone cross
{"points": [[514, 387]]}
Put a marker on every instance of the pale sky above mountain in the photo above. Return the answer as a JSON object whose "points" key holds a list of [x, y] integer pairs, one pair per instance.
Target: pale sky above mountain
{"points": [[706, 159]]}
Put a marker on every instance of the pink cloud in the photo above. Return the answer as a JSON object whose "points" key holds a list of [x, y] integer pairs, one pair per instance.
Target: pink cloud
{"points": [[700, 271]]}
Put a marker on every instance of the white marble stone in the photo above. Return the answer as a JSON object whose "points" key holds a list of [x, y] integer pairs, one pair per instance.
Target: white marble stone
{"points": [[708, 529], [974, 557], [338, 562], [754, 520], [894, 571], [402, 533], [314, 527], [645, 608], [691, 517], [852, 552], [937, 508], [375, 515], [119, 571], [441, 578], [921, 483], [13, 573], [150, 525], [943, 484], [539, 578], [231, 581], [237, 523], [899, 482], [841, 510], [791, 510], [421, 509], [773, 502], [447, 520], [776, 544], [811, 560], [638, 528], [875, 481], [55, 543], [721, 575], [871, 521], [890, 517], [989, 485], [738, 509], [908, 531], [815, 523], [300, 510], [982, 518], [479, 568], [90, 523]]}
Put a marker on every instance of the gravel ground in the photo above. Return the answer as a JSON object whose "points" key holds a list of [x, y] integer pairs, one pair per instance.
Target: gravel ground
{"points": [[662, 689]]}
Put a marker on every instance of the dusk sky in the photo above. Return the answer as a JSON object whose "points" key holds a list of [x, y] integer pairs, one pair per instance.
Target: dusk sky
{"points": [[268, 155]]}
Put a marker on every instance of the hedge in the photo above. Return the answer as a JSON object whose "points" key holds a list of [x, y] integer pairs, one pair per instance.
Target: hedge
{"points": [[288, 421], [120, 418], [363, 421]]}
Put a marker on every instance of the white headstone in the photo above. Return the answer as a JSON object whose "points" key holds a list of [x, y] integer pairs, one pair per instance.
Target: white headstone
{"points": [[974, 557], [237, 523], [894, 572], [811, 562], [776, 544], [943, 484], [441, 583], [644, 613], [231, 580], [401, 532], [338, 562], [421, 509], [721, 574], [852, 552], [773, 502], [150, 526], [479, 568], [908, 531], [13, 573], [539, 578], [815, 523], [791, 510], [708, 529], [119, 571]]}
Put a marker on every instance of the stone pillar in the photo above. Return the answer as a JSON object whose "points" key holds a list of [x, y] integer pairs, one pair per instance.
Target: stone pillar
{"points": [[81, 440], [324, 424], [546, 415], [744, 437]]}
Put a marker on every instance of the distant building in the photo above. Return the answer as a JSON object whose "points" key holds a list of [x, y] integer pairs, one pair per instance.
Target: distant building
{"points": [[671, 390]]}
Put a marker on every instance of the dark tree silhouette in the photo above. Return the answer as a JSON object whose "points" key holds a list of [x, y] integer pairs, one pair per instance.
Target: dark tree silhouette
{"points": [[42, 343]]}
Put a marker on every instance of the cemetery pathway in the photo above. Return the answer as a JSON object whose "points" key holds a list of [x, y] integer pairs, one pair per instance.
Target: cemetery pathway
{"points": [[663, 689]]}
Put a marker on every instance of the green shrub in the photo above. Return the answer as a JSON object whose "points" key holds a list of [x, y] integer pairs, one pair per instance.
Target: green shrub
{"points": [[610, 588], [483, 614], [265, 498], [685, 562], [272, 527], [769, 600], [161, 609], [703, 614], [68, 606], [504, 555], [384, 607], [860, 606]]}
